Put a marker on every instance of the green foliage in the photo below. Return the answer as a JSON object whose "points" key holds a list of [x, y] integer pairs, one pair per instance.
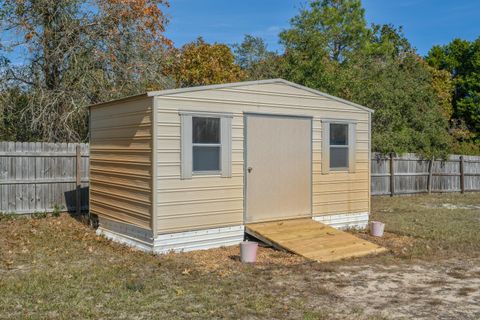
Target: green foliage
{"points": [[330, 28], [14, 119], [4, 216], [256, 60], [461, 59], [39, 215], [57, 209], [407, 116], [329, 47]]}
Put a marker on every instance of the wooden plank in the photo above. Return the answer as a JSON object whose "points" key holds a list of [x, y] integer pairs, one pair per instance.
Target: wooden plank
{"points": [[462, 175], [430, 171], [31, 175], [311, 239], [392, 175], [37, 176], [78, 175], [3, 177]]}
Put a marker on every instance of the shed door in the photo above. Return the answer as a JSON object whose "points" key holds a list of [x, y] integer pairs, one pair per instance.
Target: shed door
{"points": [[278, 168]]}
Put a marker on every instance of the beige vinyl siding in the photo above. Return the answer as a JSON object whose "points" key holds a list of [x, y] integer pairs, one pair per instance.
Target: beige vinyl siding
{"points": [[212, 201], [120, 161]]}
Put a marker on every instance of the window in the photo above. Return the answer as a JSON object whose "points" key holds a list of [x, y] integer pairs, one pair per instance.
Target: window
{"points": [[338, 145], [205, 144]]}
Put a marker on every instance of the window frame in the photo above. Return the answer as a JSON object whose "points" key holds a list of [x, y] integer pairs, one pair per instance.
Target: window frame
{"points": [[203, 144], [351, 145], [187, 144], [342, 146]]}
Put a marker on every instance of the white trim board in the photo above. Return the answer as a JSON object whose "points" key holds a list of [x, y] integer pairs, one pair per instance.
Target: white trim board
{"points": [[357, 220], [143, 239]]}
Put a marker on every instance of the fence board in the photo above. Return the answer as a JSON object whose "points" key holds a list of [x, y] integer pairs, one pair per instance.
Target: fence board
{"points": [[36, 176], [412, 174]]}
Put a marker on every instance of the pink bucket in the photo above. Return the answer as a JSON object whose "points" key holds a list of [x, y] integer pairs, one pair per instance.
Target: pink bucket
{"points": [[376, 228], [248, 251]]}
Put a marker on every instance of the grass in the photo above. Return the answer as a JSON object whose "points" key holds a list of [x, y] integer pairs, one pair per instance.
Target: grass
{"points": [[440, 225], [57, 268]]}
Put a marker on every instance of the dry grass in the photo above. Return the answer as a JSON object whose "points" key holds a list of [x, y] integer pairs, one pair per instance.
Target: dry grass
{"points": [[429, 227], [58, 268]]}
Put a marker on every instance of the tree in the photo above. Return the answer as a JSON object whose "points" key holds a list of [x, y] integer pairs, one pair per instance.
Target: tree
{"points": [[200, 63], [334, 27], [256, 60], [131, 45], [461, 59], [79, 54], [329, 47]]}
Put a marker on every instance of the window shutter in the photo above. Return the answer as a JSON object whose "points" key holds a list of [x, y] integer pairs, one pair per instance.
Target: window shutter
{"points": [[325, 147], [352, 146], [186, 146], [226, 140]]}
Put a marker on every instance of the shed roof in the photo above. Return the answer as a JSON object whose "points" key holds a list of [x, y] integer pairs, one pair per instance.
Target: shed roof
{"points": [[239, 84]]}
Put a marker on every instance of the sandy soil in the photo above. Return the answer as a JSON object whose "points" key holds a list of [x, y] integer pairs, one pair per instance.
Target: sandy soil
{"points": [[441, 290]]}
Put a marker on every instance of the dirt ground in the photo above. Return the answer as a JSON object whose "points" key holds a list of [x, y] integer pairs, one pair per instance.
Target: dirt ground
{"points": [[359, 288], [57, 268]]}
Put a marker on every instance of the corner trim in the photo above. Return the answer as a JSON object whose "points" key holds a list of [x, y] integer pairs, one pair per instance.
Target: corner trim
{"points": [[153, 189]]}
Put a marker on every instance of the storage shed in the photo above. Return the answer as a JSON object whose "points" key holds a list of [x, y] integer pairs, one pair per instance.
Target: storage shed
{"points": [[188, 168]]}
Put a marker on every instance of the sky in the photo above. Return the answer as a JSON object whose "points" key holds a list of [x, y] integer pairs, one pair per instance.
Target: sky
{"points": [[425, 22]]}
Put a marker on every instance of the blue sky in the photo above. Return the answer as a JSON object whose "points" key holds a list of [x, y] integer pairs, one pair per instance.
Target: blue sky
{"points": [[425, 22]]}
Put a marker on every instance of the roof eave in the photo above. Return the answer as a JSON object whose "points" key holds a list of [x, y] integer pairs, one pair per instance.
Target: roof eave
{"points": [[132, 97]]}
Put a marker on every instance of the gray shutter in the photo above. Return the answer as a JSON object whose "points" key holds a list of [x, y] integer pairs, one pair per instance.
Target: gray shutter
{"points": [[226, 140], [325, 147], [186, 146], [352, 147]]}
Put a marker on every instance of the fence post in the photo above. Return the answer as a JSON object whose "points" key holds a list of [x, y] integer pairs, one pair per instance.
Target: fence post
{"points": [[78, 181], [392, 175], [462, 175], [430, 174]]}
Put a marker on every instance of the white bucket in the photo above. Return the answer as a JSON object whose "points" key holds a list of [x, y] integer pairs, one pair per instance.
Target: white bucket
{"points": [[377, 228], [248, 251]]}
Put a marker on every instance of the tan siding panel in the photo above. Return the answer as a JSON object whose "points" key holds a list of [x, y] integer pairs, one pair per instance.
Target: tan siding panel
{"points": [[200, 220], [120, 157], [120, 108], [118, 214], [120, 169], [122, 120], [337, 207], [125, 132]]}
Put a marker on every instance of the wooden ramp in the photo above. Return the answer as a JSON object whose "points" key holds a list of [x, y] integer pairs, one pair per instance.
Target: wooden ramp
{"points": [[312, 239]]}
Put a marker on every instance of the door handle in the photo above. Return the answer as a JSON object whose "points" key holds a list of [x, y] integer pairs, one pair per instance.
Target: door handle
{"points": [[249, 169]]}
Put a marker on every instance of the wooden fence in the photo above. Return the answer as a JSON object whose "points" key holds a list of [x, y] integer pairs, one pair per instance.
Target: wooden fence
{"points": [[36, 176], [409, 173]]}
